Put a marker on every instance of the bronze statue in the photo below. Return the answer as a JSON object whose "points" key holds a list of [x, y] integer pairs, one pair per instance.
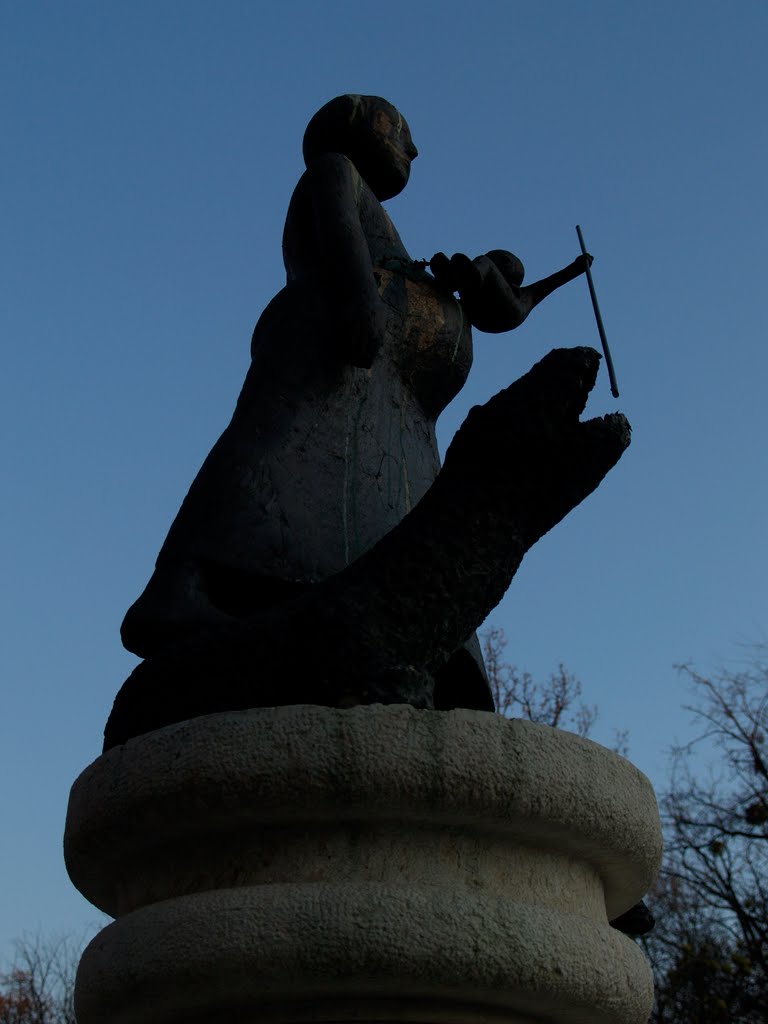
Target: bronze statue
{"points": [[321, 555]]}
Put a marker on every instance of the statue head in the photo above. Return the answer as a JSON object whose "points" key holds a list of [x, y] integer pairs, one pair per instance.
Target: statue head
{"points": [[371, 133]]}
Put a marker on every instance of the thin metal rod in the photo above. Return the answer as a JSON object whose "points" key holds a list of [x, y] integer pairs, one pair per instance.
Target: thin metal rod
{"points": [[599, 319]]}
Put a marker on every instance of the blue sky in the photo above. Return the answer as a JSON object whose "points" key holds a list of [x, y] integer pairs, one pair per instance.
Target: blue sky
{"points": [[150, 150]]}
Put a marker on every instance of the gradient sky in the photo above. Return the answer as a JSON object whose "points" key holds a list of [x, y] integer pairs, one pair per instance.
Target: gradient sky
{"points": [[149, 152]]}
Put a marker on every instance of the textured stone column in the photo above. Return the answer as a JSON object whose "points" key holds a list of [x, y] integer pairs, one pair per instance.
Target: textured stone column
{"points": [[372, 864]]}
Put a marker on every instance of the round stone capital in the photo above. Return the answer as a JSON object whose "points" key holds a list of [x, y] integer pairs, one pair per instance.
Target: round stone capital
{"points": [[313, 861]]}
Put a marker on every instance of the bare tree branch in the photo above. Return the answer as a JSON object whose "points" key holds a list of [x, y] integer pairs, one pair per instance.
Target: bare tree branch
{"points": [[709, 950]]}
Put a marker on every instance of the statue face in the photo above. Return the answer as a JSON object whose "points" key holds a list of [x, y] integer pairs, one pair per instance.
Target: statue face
{"points": [[372, 133], [386, 150]]}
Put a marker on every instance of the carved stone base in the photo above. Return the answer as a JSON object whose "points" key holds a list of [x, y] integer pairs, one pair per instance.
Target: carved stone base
{"points": [[373, 864]]}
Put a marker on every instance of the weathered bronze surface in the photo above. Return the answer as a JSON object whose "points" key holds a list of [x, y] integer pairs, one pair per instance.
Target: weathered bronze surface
{"points": [[321, 555]]}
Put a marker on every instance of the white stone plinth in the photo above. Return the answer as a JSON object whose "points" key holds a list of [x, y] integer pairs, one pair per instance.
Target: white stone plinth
{"points": [[372, 864]]}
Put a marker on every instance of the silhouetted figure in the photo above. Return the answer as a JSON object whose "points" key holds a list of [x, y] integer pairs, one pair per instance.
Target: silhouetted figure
{"points": [[306, 503]]}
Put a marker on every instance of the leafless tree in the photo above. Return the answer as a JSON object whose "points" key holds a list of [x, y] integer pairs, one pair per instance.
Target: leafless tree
{"points": [[556, 702], [710, 946], [37, 987]]}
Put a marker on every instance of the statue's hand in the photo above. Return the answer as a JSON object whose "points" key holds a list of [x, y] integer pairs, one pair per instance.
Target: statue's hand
{"points": [[457, 274], [487, 287], [582, 263], [440, 266]]}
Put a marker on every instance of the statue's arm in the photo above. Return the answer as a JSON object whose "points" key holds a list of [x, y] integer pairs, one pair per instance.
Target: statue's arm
{"points": [[346, 268], [492, 302], [534, 293]]}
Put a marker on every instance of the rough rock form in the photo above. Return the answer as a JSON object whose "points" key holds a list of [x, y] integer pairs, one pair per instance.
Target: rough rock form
{"points": [[382, 630], [370, 864]]}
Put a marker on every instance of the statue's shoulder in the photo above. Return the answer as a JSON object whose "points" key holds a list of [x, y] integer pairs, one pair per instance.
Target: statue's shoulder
{"points": [[333, 171], [330, 182]]}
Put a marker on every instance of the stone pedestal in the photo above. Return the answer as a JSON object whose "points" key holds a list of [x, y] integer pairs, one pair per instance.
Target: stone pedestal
{"points": [[379, 863]]}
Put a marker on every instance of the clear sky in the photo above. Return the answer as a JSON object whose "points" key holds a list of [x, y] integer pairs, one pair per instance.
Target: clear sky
{"points": [[149, 152]]}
